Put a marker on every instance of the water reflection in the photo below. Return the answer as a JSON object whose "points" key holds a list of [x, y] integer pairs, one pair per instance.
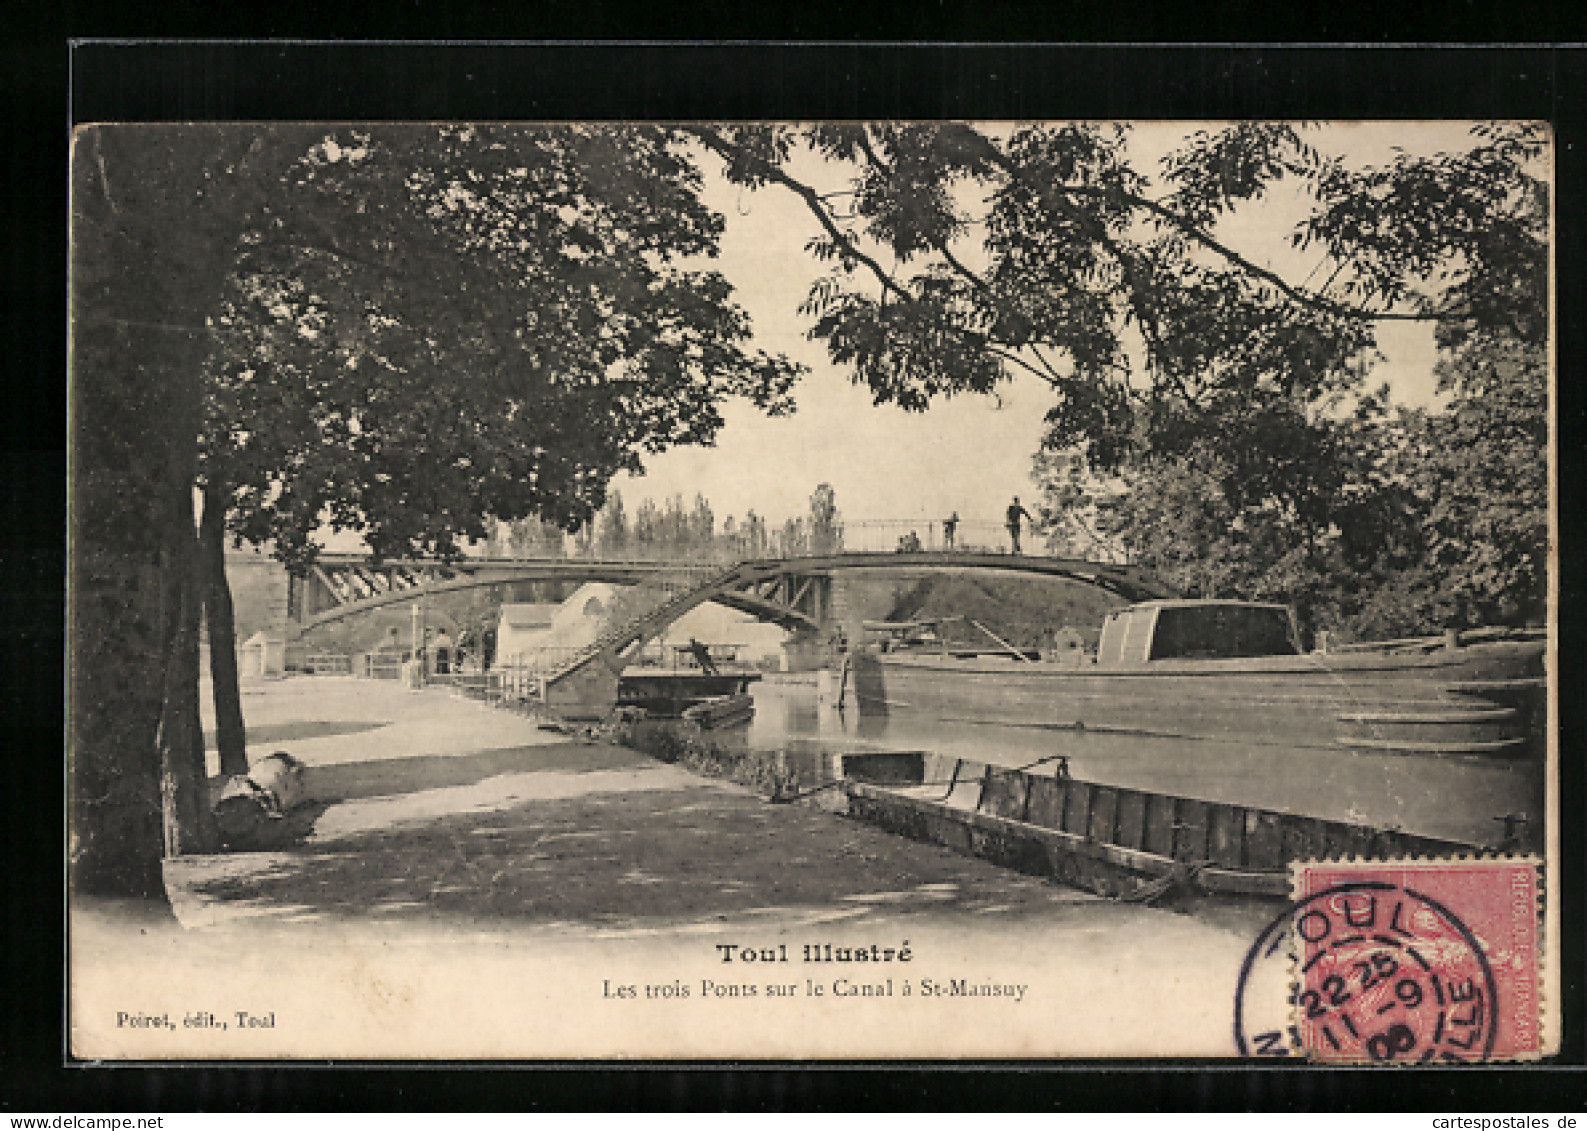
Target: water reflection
{"points": [[1464, 798]]}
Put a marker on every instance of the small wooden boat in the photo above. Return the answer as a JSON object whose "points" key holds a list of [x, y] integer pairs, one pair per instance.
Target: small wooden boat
{"points": [[668, 693], [722, 711]]}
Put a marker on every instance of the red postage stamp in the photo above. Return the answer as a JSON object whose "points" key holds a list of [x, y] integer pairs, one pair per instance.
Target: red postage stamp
{"points": [[1417, 961]]}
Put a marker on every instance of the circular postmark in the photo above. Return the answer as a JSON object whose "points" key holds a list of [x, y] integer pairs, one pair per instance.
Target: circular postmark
{"points": [[1366, 972]]}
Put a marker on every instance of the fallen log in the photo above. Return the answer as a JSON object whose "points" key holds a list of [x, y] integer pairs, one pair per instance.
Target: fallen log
{"points": [[282, 775], [251, 810]]}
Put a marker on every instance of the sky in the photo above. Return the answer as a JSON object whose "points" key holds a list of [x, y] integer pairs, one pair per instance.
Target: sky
{"points": [[968, 454]]}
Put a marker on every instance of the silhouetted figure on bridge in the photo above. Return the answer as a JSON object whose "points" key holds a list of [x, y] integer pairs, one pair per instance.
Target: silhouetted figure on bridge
{"points": [[702, 656], [950, 530], [1012, 521]]}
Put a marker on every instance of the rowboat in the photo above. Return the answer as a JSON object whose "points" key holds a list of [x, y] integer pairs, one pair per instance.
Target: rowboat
{"points": [[670, 692]]}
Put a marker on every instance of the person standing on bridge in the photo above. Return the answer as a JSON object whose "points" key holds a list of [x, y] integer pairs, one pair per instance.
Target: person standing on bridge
{"points": [[1012, 521], [950, 528], [702, 656]]}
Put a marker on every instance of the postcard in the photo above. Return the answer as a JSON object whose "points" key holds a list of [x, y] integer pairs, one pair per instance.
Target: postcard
{"points": [[813, 591]]}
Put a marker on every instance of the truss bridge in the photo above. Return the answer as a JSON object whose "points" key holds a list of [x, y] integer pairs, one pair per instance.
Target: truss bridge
{"points": [[338, 586], [793, 592]]}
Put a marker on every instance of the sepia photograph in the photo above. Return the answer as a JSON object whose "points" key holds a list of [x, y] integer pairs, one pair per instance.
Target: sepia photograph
{"points": [[813, 590]]}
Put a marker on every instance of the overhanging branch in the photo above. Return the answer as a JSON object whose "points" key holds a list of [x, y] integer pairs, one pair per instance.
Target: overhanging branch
{"points": [[727, 151], [1049, 193], [1055, 197]]}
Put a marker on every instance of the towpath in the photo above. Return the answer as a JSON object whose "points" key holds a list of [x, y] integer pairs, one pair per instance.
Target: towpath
{"points": [[459, 866]]}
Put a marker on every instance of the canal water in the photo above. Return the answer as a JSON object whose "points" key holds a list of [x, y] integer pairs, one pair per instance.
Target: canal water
{"points": [[1458, 798]]}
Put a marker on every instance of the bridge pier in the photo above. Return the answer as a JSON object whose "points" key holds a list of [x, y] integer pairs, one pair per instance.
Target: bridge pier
{"points": [[588, 692], [857, 599], [806, 650]]}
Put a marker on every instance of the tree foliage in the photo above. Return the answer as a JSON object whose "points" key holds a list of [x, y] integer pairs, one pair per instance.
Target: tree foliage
{"points": [[826, 523], [1484, 479], [430, 329], [676, 531], [1212, 416], [405, 331]]}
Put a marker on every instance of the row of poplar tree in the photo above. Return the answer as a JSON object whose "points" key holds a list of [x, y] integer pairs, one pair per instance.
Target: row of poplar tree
{"points": [[675, 530]]}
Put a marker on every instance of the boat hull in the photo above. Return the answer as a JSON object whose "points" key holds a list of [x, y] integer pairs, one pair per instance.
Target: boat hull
{"points": [[723, 711], [1484, 700], [1112, 840], [667, 693]]}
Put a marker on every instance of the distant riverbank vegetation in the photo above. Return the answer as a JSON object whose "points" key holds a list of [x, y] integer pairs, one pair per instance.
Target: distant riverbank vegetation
{"points": [[676, 530]]}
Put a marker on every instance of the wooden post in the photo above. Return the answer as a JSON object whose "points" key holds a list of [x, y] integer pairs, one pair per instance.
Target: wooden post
{"points": [[219, 623]]}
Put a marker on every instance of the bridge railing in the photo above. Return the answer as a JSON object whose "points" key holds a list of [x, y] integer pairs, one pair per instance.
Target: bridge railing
{"points": [[327, 663], [723, 552], [359, 580], [537, 660], [523, 674], [869, 535], [891, 535], [638, 621]]}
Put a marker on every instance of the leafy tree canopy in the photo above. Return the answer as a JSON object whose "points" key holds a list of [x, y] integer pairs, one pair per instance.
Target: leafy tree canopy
{"points": [[958, 256], [1212, 416], [431, 329]]}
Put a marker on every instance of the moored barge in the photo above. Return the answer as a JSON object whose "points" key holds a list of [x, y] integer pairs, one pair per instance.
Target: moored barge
{"points": [[1122, 843], [1233, 671]]}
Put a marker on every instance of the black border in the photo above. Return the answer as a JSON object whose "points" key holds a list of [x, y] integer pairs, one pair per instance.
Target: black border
{"points": [[199, 81]]}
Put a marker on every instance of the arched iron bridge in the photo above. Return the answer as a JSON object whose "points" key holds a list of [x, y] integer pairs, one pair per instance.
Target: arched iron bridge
{"points": [[787, 591]]}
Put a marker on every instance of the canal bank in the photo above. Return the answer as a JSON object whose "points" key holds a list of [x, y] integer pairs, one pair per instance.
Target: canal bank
{"points": [[1481, 801], [457, 853], [415, 793]]}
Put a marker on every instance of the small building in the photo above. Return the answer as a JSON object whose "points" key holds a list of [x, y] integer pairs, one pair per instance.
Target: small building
{"points": [[1197, 630], [263, 656], [521, 630], [529, 635]]}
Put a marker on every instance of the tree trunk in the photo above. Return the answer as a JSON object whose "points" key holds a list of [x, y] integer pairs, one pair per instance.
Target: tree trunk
{"points": [[136, 749], [231, 735], [116, 691], [184, 778], [156, 213]]}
